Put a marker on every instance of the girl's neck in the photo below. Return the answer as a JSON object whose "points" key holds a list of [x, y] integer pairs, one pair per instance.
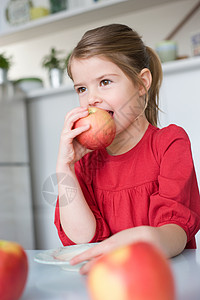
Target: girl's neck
{"points": [[128, 138]]}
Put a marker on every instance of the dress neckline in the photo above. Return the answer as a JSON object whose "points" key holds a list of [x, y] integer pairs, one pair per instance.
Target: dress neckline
{"points": [[129, 153]]}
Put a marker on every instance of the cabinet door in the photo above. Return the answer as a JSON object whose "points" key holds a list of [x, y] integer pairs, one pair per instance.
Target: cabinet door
{"points": [[13, 132], [16, 221], [46, 119]]}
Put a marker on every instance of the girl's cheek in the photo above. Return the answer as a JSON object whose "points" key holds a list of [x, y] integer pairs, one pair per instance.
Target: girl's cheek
{"points": [[83, 101]]}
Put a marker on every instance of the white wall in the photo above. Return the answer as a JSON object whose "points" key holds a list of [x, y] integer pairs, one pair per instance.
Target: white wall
{"points": [[179, 101], [154, 24]]}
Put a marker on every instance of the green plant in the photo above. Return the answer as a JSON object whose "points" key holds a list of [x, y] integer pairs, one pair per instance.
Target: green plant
{"points": [[52, 61], [5, 62]]}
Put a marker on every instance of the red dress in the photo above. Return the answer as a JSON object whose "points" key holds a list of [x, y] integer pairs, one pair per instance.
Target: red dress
{"points": [[152, 184]]}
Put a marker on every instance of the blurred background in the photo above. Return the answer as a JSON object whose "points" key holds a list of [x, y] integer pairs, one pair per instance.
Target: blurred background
{"points": [[36, 38]]}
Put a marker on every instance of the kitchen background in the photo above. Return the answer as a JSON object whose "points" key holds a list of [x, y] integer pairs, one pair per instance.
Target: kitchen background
{"points": [[31, 118]]}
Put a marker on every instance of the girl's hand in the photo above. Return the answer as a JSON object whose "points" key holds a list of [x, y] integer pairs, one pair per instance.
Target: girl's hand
{"points": [[90, 256], [113, 242], [70, 150], [169, 238]]}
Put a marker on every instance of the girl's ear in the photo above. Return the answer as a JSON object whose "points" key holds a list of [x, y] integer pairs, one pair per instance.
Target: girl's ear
{"points": [[146, 77]]}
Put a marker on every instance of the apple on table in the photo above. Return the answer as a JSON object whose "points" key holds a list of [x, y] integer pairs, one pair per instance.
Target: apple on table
{"points": [[138, 271], [13, 270]]}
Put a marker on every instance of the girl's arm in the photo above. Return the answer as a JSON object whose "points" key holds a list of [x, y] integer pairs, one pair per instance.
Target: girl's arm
{"points": [[170, 239], [77, 220]]}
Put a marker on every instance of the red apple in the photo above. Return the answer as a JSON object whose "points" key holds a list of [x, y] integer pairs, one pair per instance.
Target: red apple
{"points": [[13, 270], [135, 272], [101, 132]]}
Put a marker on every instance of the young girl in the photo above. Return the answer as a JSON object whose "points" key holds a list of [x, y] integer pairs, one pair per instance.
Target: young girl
{"points": [[143, 186]]}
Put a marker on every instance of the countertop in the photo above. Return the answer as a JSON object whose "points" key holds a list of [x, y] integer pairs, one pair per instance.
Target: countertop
{"points": [[52, 282]]}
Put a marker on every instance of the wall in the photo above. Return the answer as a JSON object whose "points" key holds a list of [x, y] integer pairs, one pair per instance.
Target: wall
{"points": [[153, 24], [180, 105]]}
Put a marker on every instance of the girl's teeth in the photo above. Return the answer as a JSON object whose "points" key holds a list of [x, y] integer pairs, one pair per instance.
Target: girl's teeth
{"points": [[110, 112]]}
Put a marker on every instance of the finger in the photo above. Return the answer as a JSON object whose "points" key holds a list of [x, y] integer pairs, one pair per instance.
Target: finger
{"points": [[85, 269], [87, 255], [75, 110], [73, 116], [71, 134]]}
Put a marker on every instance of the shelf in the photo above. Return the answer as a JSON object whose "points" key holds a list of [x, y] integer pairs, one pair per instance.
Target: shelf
{"points": [[168, 67], [48, 92], [74, 17], [182, 65]]}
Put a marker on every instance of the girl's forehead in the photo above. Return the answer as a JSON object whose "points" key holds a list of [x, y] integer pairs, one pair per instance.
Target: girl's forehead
{"points": [[96, 67], [95, 62]]}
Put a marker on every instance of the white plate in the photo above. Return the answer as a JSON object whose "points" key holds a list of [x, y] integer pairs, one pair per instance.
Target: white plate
{"points": [[61, 256]]}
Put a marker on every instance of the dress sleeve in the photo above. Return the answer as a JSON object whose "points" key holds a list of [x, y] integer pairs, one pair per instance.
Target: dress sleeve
{"points": [[102, 229], [177, 200], [63, 237]]}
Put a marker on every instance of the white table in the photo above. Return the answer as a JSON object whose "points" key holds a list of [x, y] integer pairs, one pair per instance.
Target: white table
{"points": [[49, 282], [53, 283]]}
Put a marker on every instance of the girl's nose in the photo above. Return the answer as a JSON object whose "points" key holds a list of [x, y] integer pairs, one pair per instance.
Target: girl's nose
{"points": [[94, 100]]}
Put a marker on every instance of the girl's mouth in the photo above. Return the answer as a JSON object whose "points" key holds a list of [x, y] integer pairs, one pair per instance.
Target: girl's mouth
{"points": [[111, 113]]}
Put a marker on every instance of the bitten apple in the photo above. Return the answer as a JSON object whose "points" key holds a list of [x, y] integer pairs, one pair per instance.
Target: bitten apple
{"points": [[102, 129], [13, 270], [135, 272]]}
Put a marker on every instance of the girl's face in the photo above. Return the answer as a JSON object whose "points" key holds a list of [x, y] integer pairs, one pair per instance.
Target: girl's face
{"points": [[101, 83]]}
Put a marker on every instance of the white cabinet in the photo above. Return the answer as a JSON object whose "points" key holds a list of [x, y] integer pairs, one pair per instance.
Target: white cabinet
{"points": [[69, 18], [13, 132], [16, 219], [46, 113]]}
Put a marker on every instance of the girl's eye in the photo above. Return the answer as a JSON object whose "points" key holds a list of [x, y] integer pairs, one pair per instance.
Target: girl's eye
{"points": [[81, 90], [105, 82]]}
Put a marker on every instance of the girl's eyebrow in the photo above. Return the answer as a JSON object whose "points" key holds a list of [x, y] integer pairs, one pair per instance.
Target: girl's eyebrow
{"points": [[78, 84], [106, 75], [98, 78]]}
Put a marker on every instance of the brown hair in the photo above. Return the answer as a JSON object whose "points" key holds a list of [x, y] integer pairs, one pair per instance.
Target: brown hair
{"points": [[124, 47]]}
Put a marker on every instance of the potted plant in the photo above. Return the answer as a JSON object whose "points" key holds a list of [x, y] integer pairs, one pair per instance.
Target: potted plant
{"points": [[66, 60], [5, 64], [55, 67]]}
